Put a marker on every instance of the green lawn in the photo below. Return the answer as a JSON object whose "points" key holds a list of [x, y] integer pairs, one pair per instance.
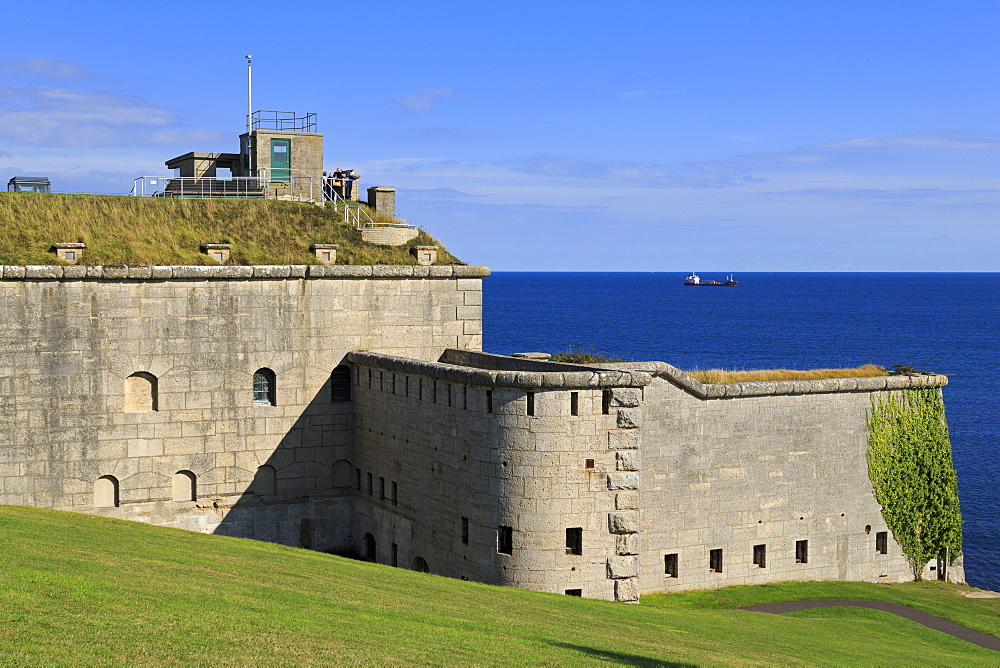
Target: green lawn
{"points": [[76, 589]]}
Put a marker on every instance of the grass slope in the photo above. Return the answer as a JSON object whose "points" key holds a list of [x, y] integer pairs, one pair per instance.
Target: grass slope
{"points": [[757, 375], [76, 589], [155, 231]]}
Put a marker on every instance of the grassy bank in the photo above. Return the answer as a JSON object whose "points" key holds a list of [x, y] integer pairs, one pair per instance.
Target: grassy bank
{"points": [[753, 375], [76, 589], [155, 231]]}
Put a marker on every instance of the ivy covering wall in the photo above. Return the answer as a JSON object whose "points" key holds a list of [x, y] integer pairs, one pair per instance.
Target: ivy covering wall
{"points": [[914, 480]]}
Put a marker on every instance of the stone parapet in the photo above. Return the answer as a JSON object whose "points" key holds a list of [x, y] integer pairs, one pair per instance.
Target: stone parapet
{"points": [[784, 387], [188, 272], [579, 377]]}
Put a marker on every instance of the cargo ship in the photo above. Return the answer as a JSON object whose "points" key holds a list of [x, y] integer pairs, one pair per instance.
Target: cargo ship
{"points": [[695, 279]]}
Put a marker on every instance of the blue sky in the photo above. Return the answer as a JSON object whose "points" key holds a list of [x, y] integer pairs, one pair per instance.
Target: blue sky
{"points": [[631, 136]]}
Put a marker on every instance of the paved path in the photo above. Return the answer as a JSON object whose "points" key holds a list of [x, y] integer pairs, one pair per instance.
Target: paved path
{"points": [[930, 621]]}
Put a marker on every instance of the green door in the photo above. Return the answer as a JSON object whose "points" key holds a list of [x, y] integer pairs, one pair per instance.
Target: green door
{"points": [[281, 160]]}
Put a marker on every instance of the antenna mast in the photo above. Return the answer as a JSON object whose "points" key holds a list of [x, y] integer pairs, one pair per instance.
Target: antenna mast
{"points": [[249, 92]]}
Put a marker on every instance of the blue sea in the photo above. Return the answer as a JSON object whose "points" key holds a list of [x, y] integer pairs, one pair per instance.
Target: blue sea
{"points": [[947, 323]]}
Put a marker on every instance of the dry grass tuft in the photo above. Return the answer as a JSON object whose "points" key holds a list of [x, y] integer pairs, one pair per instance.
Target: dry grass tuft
{"points": [[712, 376], [154, 231]]}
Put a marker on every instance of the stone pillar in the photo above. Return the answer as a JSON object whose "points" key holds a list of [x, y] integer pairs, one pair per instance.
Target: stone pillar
{"points": [[383, 200], [623, 568], [218, 252], [325, 253], [69, 252], [426, 255]]}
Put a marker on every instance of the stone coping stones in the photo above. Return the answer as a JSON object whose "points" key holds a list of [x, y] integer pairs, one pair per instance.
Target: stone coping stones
{"points": [[242, 272], [785, 387], [579, 377]]}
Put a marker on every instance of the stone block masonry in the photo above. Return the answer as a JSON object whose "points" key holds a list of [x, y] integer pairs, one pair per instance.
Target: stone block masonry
{"points": [[139, 374]]}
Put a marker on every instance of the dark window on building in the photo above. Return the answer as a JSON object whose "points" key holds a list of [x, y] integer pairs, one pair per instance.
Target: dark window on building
{"points": [[449, 394], [574, 403], [421, 566], [588, 463], [434, 391], [801, 551], [371, 485], [882, 542], [394, 555], [369, 379], [340, 384], [393, 378], [670, 565], [606, 402], [381, 488], [465, 530], [574, 540], [489, 401], [393, 498], [465, 397], [505, 540], [371, 551], [531, 403], [715, 561], [574, 592], [760, 556], [263, 387], [358, 377], [357, 479], [420, 389], [406, 386]]}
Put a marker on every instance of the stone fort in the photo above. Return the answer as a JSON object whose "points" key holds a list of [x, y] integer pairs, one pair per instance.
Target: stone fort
{"points": [[351, 409]]}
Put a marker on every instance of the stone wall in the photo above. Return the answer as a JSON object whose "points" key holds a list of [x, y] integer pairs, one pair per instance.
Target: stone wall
{"points": [[731, 467], [538, 452], [146, 376]]}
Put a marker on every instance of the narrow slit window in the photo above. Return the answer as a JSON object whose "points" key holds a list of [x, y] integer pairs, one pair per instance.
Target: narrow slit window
{"points": [[465, 530], [434, 391], [760, 556], [381, 488], [574, 540], [449, 394], [670, 565], [393, 498], [371, 485], [574, 403], [715, 561], [882, 542], [802, 551], [505, 540], [357, 479], [465, 397], [394, 555], [606, 402], [489, 401], [531, 403]]}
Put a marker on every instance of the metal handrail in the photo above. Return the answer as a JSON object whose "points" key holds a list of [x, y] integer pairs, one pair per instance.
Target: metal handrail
{"points": [[282, 121]]}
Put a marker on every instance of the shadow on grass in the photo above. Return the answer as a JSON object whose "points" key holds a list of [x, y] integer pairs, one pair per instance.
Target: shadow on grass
{"points": [[619, 657]]}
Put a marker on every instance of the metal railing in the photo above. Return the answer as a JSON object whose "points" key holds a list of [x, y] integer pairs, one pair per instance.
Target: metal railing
{"points": [[288, 184], [283, 121]]}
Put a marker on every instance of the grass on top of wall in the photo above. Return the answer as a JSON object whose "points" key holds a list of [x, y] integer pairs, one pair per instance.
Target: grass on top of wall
{"points": [[163, 231], [725, 376], [83, 590]]}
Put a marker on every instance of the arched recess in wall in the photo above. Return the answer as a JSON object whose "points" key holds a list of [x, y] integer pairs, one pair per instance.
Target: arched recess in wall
{"points": [[264, 391], [265, 481], [106, 492], [342, 473], [185, 486], [369, 547], [340, 384], [140, 392], [420, 565]]}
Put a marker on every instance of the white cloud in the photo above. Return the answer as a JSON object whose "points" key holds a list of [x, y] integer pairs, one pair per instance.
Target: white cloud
{"points": [[43, 116], [424, 99], [47, 68], [936, 142]]}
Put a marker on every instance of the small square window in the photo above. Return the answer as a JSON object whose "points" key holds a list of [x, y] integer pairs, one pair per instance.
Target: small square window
{"points": [[505, 540], [801, 551], [574, 592], [670, 565], [715, 561], [760, 556], [574, 540], [588, 463], [326, 256], [71, 256], [217, 256]]}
